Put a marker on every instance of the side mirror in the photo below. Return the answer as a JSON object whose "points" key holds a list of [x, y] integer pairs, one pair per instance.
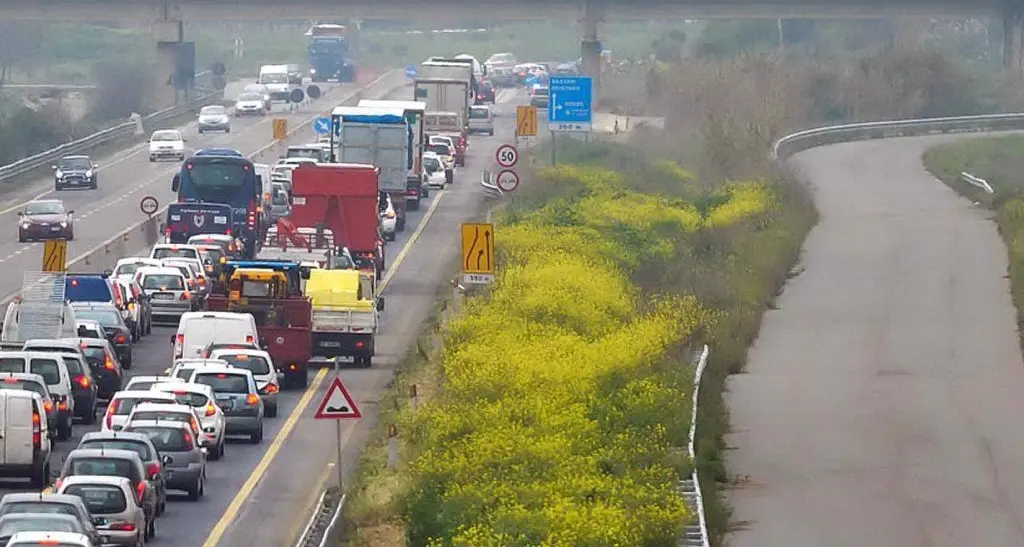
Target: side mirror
{"points": [[166, 460], [71, 212], [21, 213], [175, 183], [54, 167], [380, 304], [95, 166]]}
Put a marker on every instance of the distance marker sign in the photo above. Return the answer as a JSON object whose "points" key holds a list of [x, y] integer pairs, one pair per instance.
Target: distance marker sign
{"points": [[507, 156]]}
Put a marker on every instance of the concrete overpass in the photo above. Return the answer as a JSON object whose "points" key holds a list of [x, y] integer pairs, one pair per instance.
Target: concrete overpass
{"points": [[166, 17]]}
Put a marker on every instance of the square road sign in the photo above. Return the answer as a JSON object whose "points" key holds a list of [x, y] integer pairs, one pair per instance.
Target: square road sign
{"points": [[478, 249], [570, 103], [526, 121]]}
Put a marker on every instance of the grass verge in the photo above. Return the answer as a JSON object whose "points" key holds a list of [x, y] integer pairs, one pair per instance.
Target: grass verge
{"points": [[998, 160], [730, 246]]}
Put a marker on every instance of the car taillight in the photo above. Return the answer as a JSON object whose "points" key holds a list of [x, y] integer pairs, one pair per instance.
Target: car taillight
{"points": [[202, 280], [249, 339], [210, 410], [124, 526], [188, 441], [37, 430], [181, 339], [184, 296], [152, 470], [271, 388], [140, 490], [121, 339], [108, 363], [252, 215], [62, 404], [252, 399], [82, 381], [111, 409], [48, 406]]}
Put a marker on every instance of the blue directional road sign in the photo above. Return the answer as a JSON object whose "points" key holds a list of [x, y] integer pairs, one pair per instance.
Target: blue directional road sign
{"points": [[570, 103], [410, 72], [322, 126]]}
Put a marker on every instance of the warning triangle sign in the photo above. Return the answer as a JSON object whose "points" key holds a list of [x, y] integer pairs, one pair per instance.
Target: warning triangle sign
{"points": [[337, 404]]}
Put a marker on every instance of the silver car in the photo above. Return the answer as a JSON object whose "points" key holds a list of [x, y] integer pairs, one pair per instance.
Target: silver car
{"points": [[260, 364], [214, 118], [38, 522], [481, 119], [117, 515], [236, 394], [168, 292], [18, 503], [184, 460], [141, 445]]}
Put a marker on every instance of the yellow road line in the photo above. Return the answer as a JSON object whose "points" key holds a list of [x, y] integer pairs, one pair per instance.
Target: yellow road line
{"points": [[261, 468]]}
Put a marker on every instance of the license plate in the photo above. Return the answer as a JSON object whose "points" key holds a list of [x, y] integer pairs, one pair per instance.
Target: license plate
{"points": [[330, 344], [105, 539], [54, 228], [225, 405], [163, 296]]}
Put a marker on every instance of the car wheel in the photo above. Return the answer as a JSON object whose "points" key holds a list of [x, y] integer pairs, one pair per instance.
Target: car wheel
{"points": [[272, 411], [257, 437], [228, 130], [151, 527], [57, 188], [127, 362], [200, 130], [40, 478], [90, 415], [390, 237], [71, 235], [21, 238], [64, 429]]}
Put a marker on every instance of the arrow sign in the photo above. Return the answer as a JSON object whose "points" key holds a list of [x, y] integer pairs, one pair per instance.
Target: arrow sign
{"points": [[322, 126], [410, 72], [337, 404]]}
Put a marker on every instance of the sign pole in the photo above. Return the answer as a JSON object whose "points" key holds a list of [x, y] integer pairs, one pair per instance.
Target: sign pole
{"points": [[337, 429]]}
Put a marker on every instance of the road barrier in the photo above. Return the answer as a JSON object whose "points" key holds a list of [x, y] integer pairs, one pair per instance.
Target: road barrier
{"points": [[977, 181], [120, 131], [491, 189], [146, 233], [695, 534]]}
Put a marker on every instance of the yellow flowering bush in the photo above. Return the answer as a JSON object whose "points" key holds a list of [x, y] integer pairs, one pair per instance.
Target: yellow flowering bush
{"points": [[564, 416]]}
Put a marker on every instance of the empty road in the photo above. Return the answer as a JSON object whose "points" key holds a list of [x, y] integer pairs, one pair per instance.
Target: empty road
{"points": [[882, 402]]}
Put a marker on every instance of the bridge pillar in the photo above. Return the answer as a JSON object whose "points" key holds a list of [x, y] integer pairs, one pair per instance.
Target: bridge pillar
{"points": [[1013, 43], [590, 46], [167, 35]]}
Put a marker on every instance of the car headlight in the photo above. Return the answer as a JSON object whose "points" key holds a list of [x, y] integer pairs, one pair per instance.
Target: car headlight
{"points": [[312, 71], [24, 226], [60, 174], [88, 174], [63, 224]]}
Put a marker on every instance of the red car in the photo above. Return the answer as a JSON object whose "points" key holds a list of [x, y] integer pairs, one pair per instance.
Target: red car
{"points": [[45, 219]]}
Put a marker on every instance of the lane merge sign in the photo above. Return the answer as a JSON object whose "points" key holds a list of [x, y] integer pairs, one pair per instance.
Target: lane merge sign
{"points": [[337, 404], [507, 156], [526, 121]]}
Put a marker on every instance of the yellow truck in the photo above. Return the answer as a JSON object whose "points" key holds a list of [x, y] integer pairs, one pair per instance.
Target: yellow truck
{"points": [[345, 313]]}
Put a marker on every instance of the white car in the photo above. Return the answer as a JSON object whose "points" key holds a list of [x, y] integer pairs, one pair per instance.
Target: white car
{"points": [[167, 144], [214, 117], [388, 218], [122, 403], [58, 539], [142, 383], [203, 401], [250, 104], [433, 170], [128, 267], [261, 90]]}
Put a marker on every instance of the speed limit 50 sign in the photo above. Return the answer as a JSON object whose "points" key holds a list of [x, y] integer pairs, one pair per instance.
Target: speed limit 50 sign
{"points": [[507, 156]]}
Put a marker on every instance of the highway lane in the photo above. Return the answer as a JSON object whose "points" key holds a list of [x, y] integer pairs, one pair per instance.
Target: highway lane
{"points": [[124, 179], [296, 476], [188, 523], [882, 400]]}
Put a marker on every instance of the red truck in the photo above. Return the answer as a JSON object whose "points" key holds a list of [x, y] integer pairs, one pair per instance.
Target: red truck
{"points": [[284, 316], [336, 206]]}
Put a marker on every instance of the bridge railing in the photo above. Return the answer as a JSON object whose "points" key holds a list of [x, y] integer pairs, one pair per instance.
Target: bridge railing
{"points": [[120, 131]]}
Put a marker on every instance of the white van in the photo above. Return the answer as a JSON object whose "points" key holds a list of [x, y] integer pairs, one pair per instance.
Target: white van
{"points": [[275, 77], [197, 330], [13, 336], [24, 440], [52, 368]]}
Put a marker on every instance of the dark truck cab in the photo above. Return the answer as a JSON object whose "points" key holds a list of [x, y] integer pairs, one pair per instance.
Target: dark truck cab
{"points": [[188, 219]]}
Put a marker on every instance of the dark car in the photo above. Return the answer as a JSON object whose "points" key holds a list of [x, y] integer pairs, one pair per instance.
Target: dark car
{"points": [[45, 219], [106, 367], [90, 329], [485, 93], [83, 387], [74, 172], [119, 334]]}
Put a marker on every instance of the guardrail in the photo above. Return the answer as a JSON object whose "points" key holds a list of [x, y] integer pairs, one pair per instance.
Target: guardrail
{"points": [[491, 189], [802, 140], [119, 131], [696, 534], [977, 181]]}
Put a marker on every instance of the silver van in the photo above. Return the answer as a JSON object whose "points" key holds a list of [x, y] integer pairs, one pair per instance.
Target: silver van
{"points": [[481, 119]]}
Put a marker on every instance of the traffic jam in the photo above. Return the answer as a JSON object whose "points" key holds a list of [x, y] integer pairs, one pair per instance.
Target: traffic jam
{"points": [[264, 271]]}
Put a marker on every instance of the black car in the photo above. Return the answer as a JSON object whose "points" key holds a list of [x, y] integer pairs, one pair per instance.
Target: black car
{"points": [[106, 367], [75, 172], [118, 333], [83, 385], [45, 219], [485, 93]]}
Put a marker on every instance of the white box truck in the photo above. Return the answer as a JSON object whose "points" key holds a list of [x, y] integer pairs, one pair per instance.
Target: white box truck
{"points": [[445, 95]]}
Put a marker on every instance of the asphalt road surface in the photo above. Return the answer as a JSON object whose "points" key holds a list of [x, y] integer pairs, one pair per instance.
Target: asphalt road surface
{"points": [[278, 481], [883, 397], [125, 177]]}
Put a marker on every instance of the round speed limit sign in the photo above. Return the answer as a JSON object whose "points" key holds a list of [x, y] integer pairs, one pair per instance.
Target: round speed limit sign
{"points": [[507, 155]]}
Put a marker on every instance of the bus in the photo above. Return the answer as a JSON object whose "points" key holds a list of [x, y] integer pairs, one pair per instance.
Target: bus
{"points": [[230, 180]]}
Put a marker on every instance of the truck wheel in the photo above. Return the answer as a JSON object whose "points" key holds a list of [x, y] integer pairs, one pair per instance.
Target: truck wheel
{"points": [[413, 205], [367, 361]]}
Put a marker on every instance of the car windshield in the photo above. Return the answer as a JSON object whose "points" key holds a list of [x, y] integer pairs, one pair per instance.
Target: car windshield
{"points": [[128, 268], [175, 252], [100, 499], [194, 400], [126, 404], [223, 383], [45, 208], [212, 110], [439, 149], [74, 364], [540, 92], [280, 197], [165, 438], [273, 78], [89, 331], [163, 282], [106, 466], [250, 97], [255, 363], [166, 136], [215, 252], [96, 355], [432, 164], [74, 164], [161, 415], [107, 318], [478, 113], [311, 153], [40, 506], [38, 524], [14, 384], [138, 447]]}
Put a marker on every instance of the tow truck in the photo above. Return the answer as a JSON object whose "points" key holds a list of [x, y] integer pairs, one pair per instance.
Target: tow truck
{"points": [[334, 211], [272, 292]]}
